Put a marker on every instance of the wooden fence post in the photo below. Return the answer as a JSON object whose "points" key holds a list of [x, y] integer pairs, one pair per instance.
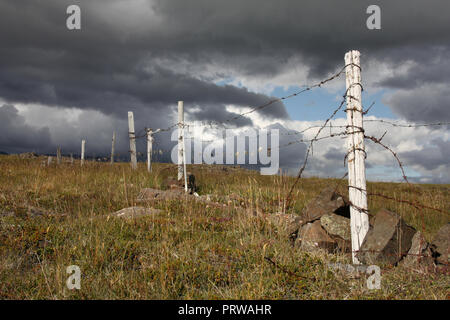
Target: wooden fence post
{"points": [[71, 158], [132, 140], [83, 149], [180, 139], [149, 149], [58, 155], [113, 145], [359, 220], [184, 163]]}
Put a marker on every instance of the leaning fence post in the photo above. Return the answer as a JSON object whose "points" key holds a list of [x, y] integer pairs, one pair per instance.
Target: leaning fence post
{"points": [[149, 149], [132, 140], [83, 149], [113, 146], [359, 220], [180, 139]]}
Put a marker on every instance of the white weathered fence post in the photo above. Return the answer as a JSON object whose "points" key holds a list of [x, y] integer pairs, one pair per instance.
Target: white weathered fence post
{"points": [[71, 158], [49, 160], [83, 149], [359, 220], [180, 139], [58, 155], [149, 149], [113, 145], [184, 163], [132, 140]]}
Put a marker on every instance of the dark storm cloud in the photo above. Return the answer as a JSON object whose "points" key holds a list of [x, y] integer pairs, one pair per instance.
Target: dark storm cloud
{"points": [[114, 64], [17, 136], [321, 31], [98, 68], [432, 68], [422, 93]]}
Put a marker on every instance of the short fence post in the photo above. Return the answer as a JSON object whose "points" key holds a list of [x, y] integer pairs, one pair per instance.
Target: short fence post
{"points": [[83, 149], [113, 146], [71, 158], [180, 139], [58, 155], [49, 161], [359, 220], [132, 140], [149, 149]]}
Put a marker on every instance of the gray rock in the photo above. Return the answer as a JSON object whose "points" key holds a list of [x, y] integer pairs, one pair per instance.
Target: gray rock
{"points": [[38, 212], [440, 245], [328, 201], [28, 155], [336, 225], [312, 236], [388, 241], [419, 254], [349, 270], [289, 222], [149, 194], [135, 212]]}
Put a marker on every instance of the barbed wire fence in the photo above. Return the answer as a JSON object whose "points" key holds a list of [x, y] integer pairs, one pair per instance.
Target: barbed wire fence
{"points": [[351, 96], [349, 130]]}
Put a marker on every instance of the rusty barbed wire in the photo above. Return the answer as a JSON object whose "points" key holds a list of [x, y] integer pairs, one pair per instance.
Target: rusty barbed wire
{"points": [[378, 141], [260, 107], [412, 125], [308, 151], [416, 205]]}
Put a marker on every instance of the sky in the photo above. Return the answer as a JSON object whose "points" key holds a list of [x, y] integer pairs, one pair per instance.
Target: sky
{"points": [[58, 86]]}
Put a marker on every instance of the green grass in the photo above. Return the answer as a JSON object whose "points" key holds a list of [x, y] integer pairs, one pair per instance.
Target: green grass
{"points": [[188, 251]]}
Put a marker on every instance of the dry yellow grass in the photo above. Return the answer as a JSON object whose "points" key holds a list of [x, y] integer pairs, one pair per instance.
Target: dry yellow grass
{"points": [[187, 251]]}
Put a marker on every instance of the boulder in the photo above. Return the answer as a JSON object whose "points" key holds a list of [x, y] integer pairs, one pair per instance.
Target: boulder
{"points": [[135, 212], [328, 201], [28, 155], [348, 270], [149, 194], [338, 228], [440, 245], [175, 184], [336, 225], [172, 183], [387, 241], [288, 222], [419, 254], [38, 212], [312, 236]]}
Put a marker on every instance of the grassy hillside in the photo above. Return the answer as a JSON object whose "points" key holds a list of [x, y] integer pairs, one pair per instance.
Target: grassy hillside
{"points": [[53, 217]]}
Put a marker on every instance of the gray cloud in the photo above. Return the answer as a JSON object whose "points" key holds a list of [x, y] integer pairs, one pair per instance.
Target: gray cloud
{"points": [[97, 68], [127, 53], [427, 103], [17, 136], [432, 156]]}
